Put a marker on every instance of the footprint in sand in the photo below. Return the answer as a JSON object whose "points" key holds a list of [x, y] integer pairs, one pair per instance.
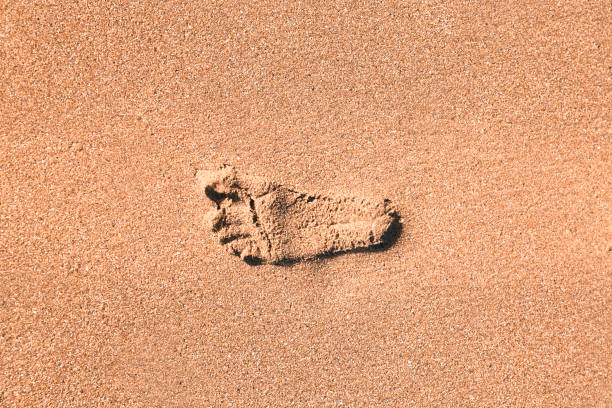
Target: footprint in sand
{"points": [[265, 222]]}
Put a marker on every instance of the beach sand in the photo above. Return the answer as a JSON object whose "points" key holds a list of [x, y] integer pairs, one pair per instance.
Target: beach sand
{"points": [[485, 124]]}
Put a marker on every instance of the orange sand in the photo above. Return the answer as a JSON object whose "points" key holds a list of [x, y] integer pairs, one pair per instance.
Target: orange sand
{"points": [[485, 124], [262, 221]]}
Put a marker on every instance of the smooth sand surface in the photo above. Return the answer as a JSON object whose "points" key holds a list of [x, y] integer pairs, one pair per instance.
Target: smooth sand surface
{"points": [[486, 124]]}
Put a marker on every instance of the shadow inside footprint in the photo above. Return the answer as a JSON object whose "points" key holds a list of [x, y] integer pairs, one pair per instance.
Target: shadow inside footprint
{"points": [[218, 197], [389, 238]]}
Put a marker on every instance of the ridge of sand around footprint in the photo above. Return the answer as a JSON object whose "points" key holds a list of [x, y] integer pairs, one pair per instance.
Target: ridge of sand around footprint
{"points": [[265, 222]]}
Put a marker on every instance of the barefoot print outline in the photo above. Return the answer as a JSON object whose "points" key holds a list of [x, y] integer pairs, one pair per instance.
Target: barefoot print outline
{"points": [[264, 222]]}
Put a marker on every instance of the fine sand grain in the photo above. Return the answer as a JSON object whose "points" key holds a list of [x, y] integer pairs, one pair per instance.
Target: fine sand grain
{"points": [[485, 124]]}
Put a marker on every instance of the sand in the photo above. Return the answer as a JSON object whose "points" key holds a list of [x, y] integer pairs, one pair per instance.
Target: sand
{"points": [[485, 124], [262, 221]]}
